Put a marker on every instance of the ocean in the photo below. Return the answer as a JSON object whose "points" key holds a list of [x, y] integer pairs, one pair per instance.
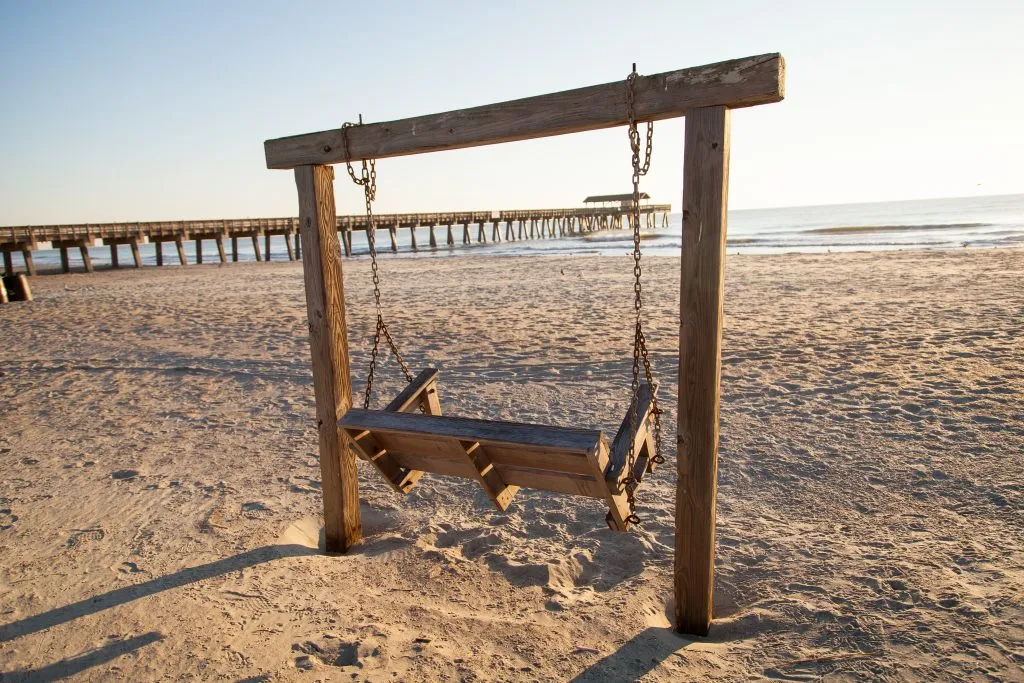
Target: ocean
{"points": [[970, 222]]}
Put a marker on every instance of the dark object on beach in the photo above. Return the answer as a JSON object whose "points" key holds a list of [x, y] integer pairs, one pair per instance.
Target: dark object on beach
{"points": [[15, 288]]}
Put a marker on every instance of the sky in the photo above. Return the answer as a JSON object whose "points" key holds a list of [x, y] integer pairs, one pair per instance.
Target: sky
{"points": [[158, 110]]}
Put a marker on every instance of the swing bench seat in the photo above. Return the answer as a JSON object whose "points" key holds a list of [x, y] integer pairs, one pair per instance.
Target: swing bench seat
{"points": [[410, 437]]}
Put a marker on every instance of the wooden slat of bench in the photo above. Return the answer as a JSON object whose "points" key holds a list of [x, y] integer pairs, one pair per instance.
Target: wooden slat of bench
{"points": [[616, 470], [468, 429], [525, 477], [538, 458], [547, 480], [411, 395]]}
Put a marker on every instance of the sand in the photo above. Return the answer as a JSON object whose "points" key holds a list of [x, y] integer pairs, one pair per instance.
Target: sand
{"points": [[160, 500]]}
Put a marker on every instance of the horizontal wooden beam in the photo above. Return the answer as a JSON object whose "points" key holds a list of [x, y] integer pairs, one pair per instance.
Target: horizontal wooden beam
{"points": [[736, 83]]}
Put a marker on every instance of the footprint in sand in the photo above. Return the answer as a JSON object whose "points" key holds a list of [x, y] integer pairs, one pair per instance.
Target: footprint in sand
{"points": [[80, 536], [256, 510], [7, 518]]}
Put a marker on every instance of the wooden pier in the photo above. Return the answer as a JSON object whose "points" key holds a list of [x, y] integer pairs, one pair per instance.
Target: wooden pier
{"points": [[460, 227]]}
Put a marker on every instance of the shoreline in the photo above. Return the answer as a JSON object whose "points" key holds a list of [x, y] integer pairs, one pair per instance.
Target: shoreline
{"points": [[51, 267]]}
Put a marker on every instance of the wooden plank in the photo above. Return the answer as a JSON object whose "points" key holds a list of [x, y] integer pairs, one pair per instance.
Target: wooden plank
{"points": [[547, 480], [705, 202], [328, 340], [616, 470], [220, 249], [136, 256], [411, 395], [428, 456], [618, 504], [369, 449], [735, 83], [500, 493], [180, 244], [469, 429]]}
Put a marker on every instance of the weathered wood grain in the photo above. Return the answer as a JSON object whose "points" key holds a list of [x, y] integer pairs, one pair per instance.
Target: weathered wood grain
{"points": [[705, 201], [414, 390], [736, 83], [497, 490], [469, 429], [328, 339], [616, 470], [618, 504]]}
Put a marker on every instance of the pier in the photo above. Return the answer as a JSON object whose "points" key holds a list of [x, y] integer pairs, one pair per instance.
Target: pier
{"points": [[459, 228]]}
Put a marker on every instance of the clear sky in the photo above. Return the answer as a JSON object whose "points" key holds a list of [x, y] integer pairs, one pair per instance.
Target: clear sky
{"points": [[158, 110]]}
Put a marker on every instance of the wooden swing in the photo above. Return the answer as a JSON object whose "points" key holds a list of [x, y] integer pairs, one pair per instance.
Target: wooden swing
{"points": [[705, 95], [410, 436]]}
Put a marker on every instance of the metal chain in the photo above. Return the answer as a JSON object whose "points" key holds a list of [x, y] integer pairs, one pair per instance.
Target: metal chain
{"points": [[640, 354], [368, 180]]}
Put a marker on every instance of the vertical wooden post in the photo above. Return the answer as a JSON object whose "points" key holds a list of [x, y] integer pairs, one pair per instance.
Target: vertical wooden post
{"points": [[136, 256], [433, 239], [234, 249], [159, 252], [328, 341], [113, 256], [8, 263], [702, 277], [220, 249], [451, 238], [412, 236], [199, 251], [65, 267], [179, 242], [256, 246], [83, 248], [30, 265], [266, 244], [288, 243]]}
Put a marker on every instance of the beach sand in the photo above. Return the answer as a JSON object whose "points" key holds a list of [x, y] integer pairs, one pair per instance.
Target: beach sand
{"points": [[160, 495]]}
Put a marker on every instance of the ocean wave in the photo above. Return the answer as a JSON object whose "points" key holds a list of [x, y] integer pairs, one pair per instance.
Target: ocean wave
{"points": [[857, 229]]}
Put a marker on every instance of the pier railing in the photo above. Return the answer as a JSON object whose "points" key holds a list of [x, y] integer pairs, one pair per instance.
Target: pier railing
{"points": [[509, 224]]}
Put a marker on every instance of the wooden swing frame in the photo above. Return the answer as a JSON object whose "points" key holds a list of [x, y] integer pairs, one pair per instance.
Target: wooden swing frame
{"points": [[704, 95]]}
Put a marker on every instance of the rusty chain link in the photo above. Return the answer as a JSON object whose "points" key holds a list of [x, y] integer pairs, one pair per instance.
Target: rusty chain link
{"points": [[640, 354], [368, 180]]}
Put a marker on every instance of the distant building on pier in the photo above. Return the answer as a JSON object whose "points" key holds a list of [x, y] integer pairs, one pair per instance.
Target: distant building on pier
{"points": [[625, 201]]}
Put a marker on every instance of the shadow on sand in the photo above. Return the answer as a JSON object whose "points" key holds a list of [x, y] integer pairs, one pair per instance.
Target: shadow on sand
{"points": [[637, 657], [99, 603], [65, 668]]}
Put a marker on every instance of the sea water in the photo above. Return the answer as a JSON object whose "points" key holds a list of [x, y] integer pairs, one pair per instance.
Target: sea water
{"points": [[971, 222]]}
